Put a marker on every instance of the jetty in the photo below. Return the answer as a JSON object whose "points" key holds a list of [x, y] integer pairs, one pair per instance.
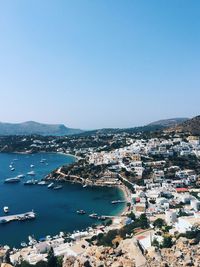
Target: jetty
{"points": [[18, 217]]}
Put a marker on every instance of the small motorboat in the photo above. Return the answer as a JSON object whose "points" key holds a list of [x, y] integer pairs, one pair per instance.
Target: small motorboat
{"points": [[23, 244], [42, 160], [6, 209], [12, 180], [42, 183], [31, 182], [51, 185], [57, 187], [21, 176], [81, 212], [93, 215], [31, 173]]}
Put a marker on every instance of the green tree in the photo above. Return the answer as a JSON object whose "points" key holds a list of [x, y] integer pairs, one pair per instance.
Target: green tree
{"points": [[41, 264], [159, 223], [51, 259], [24, 264], [155, 243], [167, 242], [132, 216], [7, 257], [143, 221]]}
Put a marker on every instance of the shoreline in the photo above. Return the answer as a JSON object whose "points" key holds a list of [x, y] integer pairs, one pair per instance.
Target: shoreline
{"points": [[42, 152], [125, 192]]}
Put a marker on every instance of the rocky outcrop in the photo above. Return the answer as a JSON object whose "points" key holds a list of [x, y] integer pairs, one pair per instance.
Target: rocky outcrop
{"points": [[183, 253], [96, 256]]}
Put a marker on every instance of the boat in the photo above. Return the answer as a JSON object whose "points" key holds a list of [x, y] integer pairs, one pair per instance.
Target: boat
{"points": [[82, 212], [23, 244], [21, 176], [6, 209], [84, 185], [93, 215], [32, 241], [42, 160], [42, 183], [12, 180], [31, 173], [31, 182], [57, 187], [31, 165], [51, 185], [117, 201], [12, 169], [102, 218]]}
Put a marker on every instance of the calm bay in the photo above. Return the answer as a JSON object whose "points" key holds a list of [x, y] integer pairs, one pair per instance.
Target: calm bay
{"points": [[56, 210]]}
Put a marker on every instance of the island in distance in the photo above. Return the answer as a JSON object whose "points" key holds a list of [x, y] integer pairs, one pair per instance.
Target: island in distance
{"points": [[32, 127]]}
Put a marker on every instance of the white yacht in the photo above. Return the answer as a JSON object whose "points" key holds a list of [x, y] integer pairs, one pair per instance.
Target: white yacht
{"points": [[6, 209]]}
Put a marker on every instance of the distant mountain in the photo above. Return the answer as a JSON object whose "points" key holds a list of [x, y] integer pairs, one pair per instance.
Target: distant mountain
{"points": [[192, 126], [168, 122], [32, 127]]}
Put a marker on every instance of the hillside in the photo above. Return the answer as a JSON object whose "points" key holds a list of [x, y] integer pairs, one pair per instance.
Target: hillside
{"points": [[151, 127], [32, 127], [168, 122], [192, 126]]}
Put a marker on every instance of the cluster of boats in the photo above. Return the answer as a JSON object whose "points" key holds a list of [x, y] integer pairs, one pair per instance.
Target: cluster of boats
{"points": [[33, 182], [12, 168]]}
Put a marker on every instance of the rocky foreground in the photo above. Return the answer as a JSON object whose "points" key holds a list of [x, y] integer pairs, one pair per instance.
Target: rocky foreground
{"points": [[183, 253], [104, 256]]}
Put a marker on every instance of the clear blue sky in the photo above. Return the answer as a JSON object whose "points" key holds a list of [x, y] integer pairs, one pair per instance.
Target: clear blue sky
{"points": [[99, 63]]}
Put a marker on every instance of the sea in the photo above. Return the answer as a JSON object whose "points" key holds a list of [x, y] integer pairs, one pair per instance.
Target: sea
{"points": [[55, 209]]}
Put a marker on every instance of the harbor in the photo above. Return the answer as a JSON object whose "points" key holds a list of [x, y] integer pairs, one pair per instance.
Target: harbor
{"points": [[18, 217], [55, 209]]}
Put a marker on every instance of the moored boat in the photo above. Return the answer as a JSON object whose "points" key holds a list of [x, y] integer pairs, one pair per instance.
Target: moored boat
{"points": [[57, 187], [93, 215], [117, 201], [81, 212], [51, 185], [42, 160], [21, 176], [31, 182], [42, 183], [31, 173], [6, 209], [12, 180]]}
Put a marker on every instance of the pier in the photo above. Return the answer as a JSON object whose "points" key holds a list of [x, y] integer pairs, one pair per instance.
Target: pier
{"points": [[18, 217]]}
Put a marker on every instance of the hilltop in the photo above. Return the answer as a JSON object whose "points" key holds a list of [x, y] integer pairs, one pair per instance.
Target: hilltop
{"points": [[168, 122], [32, 127], [192, 126]]}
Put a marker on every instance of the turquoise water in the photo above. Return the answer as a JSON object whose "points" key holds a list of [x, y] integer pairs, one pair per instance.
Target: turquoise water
{"points": [[56, 210]]}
